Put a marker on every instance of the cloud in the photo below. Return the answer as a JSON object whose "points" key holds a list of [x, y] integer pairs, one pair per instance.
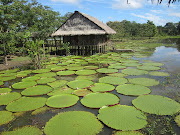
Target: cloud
{"points": [[132, 4], [174, 14], [68, 1], [157, 11]]}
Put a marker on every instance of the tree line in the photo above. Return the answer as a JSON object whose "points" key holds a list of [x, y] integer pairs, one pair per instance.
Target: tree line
{"points": [[133, 29]]}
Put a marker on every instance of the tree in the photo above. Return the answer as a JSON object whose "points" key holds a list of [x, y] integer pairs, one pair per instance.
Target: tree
{"points": [[170, 29], [151, 29]]}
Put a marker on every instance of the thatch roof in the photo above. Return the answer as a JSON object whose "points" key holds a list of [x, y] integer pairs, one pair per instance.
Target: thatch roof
{"points": [[82, 24]]}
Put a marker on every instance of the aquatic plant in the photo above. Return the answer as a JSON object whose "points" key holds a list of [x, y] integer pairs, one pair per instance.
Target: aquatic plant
{"points": [[61, 90], [5, 90], [91, 67], [131, 71], [158, 64], [40, 110], [86, 77], [117, 75], [112, 80], [117, 67], [5, 117], [7, 78], [31, 78], [102, 87], [67, 72], [144, 81], [23, 85], [131, 64], [1, 83], [82, 92], [58, 68], [127, 133], [149, 67], [74, 68], [107, 70], [177, 120], [9, 97], [38, 71], [155, 73], [85, 72], [48, 74], [45, 80], [58, 83], [79, 84]]}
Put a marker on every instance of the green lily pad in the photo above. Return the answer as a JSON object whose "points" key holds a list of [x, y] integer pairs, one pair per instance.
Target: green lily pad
{"points": [[9, 97], [41, 110], [82, 92], [1, 83], [5, 90], [127, 133], [26, 104], [158, 64], [132, 90], [79, 84], [61, 90], [74, 68], [7, 78], [177, 120], [38, 71], [122, 117], [113, 80], [31, 78], [85, 77], [131, 64], [26, 130], [73, 122], [98, 100], [117, 74], [23, 85], [25, 72], [58, 83], [102, 87], [155, 104], [49, 74], [91, 67], [58, 68], [21, 75], [144, 81], [45, 80], [85, 72], [148, 68], [117, 67], [5, 117], [62, 101], [107, 70], [131, 71], [37, 90], [10, 71], [68, 72], [155, 73]]}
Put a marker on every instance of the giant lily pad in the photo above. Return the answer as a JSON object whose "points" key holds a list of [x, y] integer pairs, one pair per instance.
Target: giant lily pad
{"points": [[26, 104], [49, 74], [9, 97], [91, 67], [79, 84], [5, 117], [131, 71], [61, 101], [131, 64], [61, 90], [58, 83], [74, 68], [122, 117], [98, 100], [26, 130], [85, 72], [45, 80], [117, 75], [38, 71], [36, 90], [144, 81], [102, 87], [1, 83], [127, 133], [58, 68], [4, 90], [23, 85], [41, 110], [73, 122], [155, 73], [85, 77], [117, 67], [155, 104], [113, 80], [7, 78], [107, 70], [31, 78], [148, 67], [131, 89], [82, 92], [177, 120], [67, 72], [158, 64]]}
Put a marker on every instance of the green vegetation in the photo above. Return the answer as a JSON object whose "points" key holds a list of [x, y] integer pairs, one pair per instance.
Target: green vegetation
{"points": [[45, 80], [5, 117], [58, 83], [82, 92], [85, 72], [106, 70], [113, 80], [9, 97], [102, 87], [23, 85], [79, 84], [5, 90], [133, 72], [144, 81], [127, 133]]}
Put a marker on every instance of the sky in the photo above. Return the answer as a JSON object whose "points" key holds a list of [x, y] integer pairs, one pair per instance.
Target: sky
{"points": [[118, 10]]}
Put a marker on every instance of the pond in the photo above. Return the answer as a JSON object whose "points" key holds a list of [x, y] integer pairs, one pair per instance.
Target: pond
{"points": [[164, 59]]}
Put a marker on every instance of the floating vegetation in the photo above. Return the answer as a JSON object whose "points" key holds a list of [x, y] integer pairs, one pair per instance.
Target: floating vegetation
{"points": [[20, 75], [158, 64], [7, 78], [82, 92], [10, 71], [155, 104], [37, 90], [23, 85], [9, 97], [132, 90], [117, 67], [40, 110], [74, 68], [26, 104], [144, 81], [102, 87], [58, 83], [58, 68], [79, 84], [85, 72], [45, 80], [122, 117], [113, 80], [85, 77], [177, 120], [38, 71], [49, 74], [1, 83], [127, 133], [149, 67], [73, 122], [98, 100], [5, 117], [61, 90], [107, 70], [67, 72], [5, 90], [91, 67], [62, 101], [131, 71], [117, 74], [31, 78], [155, 73], [26, 130], [131, 64]]}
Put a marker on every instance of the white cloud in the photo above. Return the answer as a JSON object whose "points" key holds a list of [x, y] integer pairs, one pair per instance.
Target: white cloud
{"points": [[132, 4], [68, 1], [174, 14], [157, 11]]}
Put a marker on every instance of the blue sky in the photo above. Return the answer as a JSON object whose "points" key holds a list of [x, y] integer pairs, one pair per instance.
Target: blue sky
{"points": [[118, 10]]}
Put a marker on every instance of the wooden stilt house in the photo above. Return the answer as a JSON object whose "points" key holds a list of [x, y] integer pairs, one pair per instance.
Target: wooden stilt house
{"points": [[85, 34]]}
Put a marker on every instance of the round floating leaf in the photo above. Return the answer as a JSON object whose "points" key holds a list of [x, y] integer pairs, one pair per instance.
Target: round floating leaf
{"points": [[82, 92], [148, 67], [58, 68], [131, 71], [144, 81], [45, 80], [59, 91], [98, 100], [49, 74], [85, 72], [131, 64], [122, 117], [25, 72], [36, 90], [113, 80], [75, 68], [155, 73], [133, 90], [89, 77], [23, 85], [155, 104], [41, 71], [10, 71], [107, 70], [102, 87], [9, 97], [79, 84], [66, 72], [158, 64], [117, 67], [58, 83], [40, 110], [26, 104], [1, 83], [127, 133], [73, 122], [91, 67], [21, 75], [7, 78], [5, 117], [5, 90], [31, 78], [26, 130], [61, 101], [117, 75], [177, 120]]}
